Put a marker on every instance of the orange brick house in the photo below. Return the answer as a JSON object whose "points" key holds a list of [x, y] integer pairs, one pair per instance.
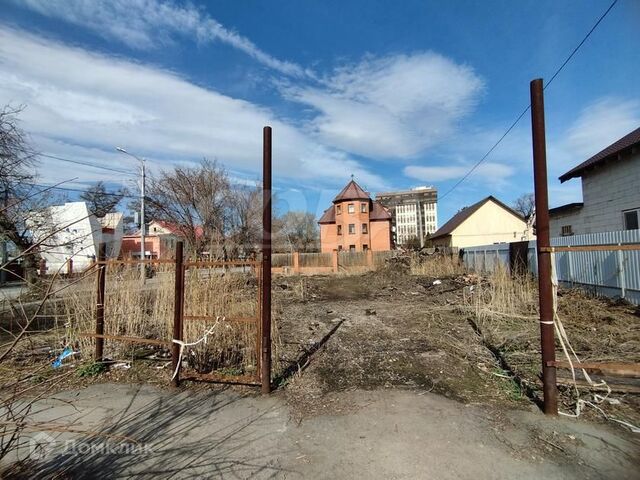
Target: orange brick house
{"points": [[355, 222]]}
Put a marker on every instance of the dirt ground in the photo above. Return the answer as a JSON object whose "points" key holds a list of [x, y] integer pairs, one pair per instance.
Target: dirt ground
{"points": [[358, 355], [394, 330]]}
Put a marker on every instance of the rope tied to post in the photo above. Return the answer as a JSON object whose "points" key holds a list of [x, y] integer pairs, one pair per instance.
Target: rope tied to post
{"points": [[210, 331], [572, 356]]}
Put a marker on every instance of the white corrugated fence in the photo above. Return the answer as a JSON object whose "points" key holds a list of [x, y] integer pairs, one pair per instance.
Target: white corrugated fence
{"points": [[614, 273]]}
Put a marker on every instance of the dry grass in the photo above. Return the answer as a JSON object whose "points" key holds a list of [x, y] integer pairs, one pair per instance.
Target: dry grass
{"points": [[436, 265], [134, 310], [505, 307]]}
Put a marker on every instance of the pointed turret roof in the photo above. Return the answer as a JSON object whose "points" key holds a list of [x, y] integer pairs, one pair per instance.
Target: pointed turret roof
{"points": [[352, 191]]}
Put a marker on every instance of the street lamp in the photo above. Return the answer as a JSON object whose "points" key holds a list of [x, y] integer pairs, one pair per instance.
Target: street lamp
{"points": [[142, 188]]}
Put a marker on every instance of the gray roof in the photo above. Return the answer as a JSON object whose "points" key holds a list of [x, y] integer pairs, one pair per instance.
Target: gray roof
{"points": [[608, 154]]}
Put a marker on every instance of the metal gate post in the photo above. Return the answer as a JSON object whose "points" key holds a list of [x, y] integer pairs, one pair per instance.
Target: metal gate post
{"points": [[178, 309], [545, 289], [265, 365], [102, 274]]}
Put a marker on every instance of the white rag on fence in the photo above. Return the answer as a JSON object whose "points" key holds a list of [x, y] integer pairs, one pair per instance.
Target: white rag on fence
{"points": [[566, 348], [202, 339]]}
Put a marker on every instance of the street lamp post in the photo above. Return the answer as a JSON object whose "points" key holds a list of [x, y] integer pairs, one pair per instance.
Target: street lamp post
{"points": [[142, 196]]}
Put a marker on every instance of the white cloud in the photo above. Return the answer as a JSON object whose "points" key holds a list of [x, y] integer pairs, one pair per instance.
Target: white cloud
{"points": [[600, 124], [494, 172], [82, 105], [392, 107], [146, 24]]}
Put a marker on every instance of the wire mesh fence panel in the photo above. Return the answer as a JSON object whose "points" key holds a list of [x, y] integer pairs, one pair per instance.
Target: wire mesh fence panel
{"points": [[225, 303]]}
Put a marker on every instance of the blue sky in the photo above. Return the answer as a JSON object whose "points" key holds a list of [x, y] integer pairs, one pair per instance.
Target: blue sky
{"points": [[399, 94]]}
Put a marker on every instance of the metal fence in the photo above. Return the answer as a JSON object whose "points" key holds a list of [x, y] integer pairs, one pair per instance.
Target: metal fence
{"points": [[611, 273]]}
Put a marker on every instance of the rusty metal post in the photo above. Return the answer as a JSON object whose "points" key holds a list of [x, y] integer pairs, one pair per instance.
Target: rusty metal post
{"points": [[43, 267], [545, 289], [70, 266], [178, 310], [102, 283], [265, 365]]}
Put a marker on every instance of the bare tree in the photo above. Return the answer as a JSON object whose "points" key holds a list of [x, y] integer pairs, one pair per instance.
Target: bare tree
{"points": [[297, 231], [196, 200], [246, 218], [22, 200], [100, 201], [525, 205]]}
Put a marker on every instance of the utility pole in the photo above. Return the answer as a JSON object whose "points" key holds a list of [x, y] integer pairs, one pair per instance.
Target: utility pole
{"points": [[5, 253], [545, 289], [142, 224], [143, 178]]}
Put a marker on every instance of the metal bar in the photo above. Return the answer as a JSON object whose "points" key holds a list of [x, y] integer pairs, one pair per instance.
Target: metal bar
{"points": [[100, 298], [611, 368], [259, 322], [591, 248], [143, 270], [214, 318], [135, 262], [120, 338], [265, 370], [545, 290], [216, 263], [621, 274], [178, 310]]}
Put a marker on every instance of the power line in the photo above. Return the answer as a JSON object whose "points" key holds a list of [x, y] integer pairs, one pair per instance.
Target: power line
{"points": [[70, 189], [515, 122], [80, 162]]}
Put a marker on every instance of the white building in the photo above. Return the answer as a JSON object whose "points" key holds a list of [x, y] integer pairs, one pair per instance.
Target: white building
{"points": [[414, 213], [610, 192], [485, 222], [70, 231]]}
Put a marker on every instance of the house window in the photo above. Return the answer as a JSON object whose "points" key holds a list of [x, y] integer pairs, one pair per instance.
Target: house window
{"points": [[352, 248], [339, 247], [338, 209], [364, 228], [351, 208], [631, 219], [365, 247], [352, 228], [339, 229], [363, 208], [567, 231]]}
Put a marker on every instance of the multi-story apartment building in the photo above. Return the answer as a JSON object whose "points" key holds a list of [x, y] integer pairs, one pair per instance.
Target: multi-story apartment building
{"points": [[355, 223], [414, 213]]}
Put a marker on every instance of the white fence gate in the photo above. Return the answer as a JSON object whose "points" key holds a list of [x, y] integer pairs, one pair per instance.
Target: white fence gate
{"points": [[611, 273]]}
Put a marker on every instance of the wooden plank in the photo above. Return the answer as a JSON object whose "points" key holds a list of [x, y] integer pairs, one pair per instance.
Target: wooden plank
{"points": [[146, 341], [211, 318], [590, 248], [615, 387], [610, 368]]}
